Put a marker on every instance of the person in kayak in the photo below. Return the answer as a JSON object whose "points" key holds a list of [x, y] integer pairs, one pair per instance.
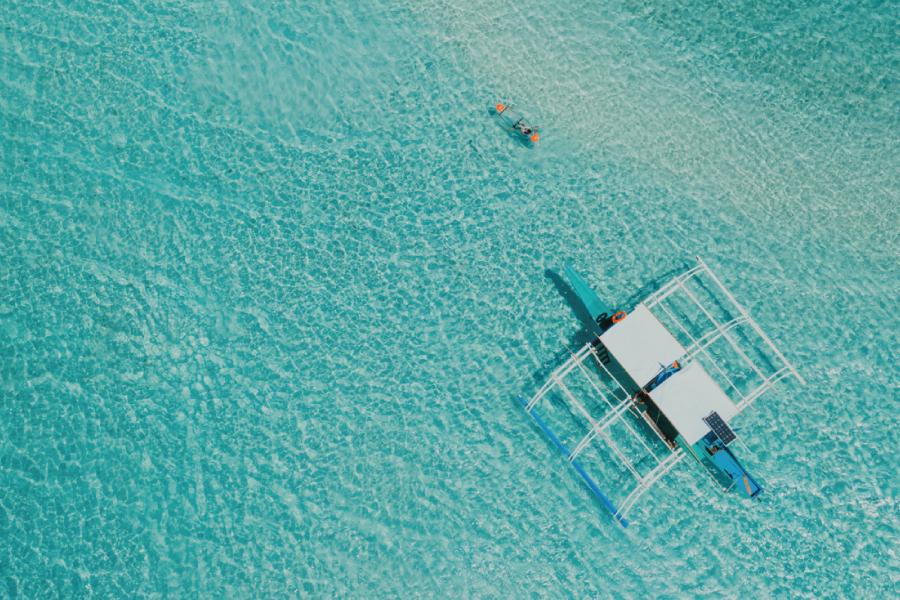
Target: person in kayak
{"points": [[522, 128], [518, 122]]}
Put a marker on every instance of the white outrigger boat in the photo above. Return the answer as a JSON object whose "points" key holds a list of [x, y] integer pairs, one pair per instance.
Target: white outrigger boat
{"points": [[651, 386]]}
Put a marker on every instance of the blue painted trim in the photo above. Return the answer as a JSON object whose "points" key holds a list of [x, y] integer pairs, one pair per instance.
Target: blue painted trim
{"points": [[575, 464]]}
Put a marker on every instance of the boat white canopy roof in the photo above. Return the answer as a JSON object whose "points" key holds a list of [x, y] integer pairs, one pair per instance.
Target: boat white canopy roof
{"points": [[642, 345], [688, 396]]}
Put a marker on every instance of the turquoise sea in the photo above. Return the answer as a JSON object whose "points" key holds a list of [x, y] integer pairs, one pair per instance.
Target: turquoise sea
{"points": [[272, 278]]}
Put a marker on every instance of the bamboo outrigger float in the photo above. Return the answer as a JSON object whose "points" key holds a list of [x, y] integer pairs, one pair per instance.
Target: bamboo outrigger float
{"points": [[657, 374]]}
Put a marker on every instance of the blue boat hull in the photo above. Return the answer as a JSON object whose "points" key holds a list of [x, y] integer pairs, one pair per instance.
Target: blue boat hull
{"points": [[600, 312]]}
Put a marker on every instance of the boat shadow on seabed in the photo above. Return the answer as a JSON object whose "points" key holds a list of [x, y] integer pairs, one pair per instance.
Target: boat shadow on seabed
{"points": [[587, 332]]}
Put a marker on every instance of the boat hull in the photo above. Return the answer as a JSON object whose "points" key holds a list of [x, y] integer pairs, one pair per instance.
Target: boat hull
{"points": [[600, 312]]}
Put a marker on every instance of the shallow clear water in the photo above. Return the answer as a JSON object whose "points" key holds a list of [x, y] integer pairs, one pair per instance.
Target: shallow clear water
{"points": [[272, 279]]}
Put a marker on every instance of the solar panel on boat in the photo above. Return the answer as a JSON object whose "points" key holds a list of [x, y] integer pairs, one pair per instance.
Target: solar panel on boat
{"points": [[719, 427]]}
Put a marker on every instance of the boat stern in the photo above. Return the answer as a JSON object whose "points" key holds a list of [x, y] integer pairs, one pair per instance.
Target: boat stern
{"points": [[721, 462]]}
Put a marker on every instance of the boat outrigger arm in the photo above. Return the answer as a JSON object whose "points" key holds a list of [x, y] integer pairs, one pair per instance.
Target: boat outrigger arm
{"points": [[658, 377]]}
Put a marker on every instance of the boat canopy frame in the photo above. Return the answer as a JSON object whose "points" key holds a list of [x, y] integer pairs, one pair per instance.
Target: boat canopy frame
{"points": [[618, 408], [722, 331]]}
